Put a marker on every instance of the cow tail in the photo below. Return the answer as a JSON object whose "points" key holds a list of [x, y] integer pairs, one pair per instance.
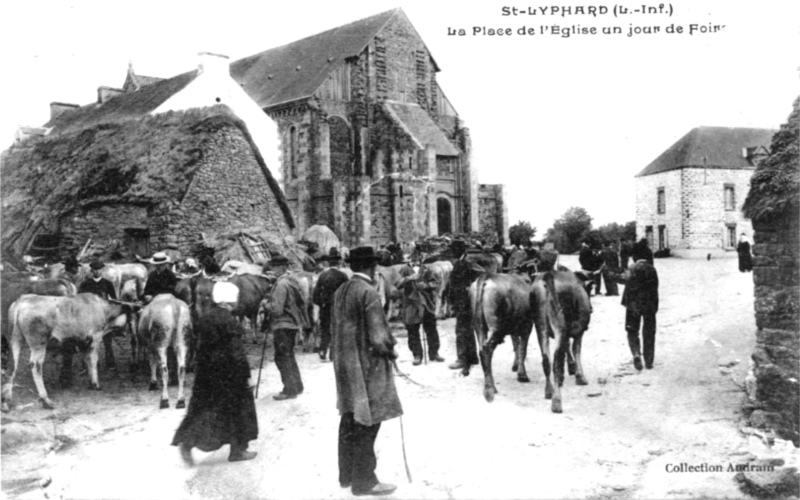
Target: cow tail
{"points": [[478, 317], [554, 312]]}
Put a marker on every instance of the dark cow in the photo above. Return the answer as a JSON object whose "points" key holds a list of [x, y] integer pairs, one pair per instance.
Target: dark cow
{"points": [[166, 322], [252, 290], [501, 306], [491, 262], [85, 317], [561, 310], [197, 293]]}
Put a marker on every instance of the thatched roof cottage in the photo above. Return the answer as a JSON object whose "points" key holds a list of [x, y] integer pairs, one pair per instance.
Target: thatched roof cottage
{"points": [[154, 168]]}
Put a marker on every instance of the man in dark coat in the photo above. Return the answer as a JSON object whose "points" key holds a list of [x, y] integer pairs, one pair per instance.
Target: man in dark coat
{"points": [[611, 262], [222, 409], [419, 307], [161, 279], [640, 299], [590, 262], [745, 258], [625, 249], [98, 285], [363, 354], [461, 277], [288, 314], [328, 282]]}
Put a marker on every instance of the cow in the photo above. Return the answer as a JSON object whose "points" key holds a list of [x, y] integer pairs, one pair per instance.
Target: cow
{"points": [[195, 291], [85, 317], [501, 306], [235, 267], [491, 262], [390, 294], [131, 272], [166, 322], [252, 290], [308, 281], [561, 310], [442, 269]]}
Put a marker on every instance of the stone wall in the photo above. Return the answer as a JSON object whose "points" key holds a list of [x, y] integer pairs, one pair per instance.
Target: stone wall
{"points": [[103, 224], [229, 191], [695, 217], [777, 305], [493, 213]]}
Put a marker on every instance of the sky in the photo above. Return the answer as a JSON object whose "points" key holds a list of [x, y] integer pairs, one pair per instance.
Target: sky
{"points": [[560, 121]]}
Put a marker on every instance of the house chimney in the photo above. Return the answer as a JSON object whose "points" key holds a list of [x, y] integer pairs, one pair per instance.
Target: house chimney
{"points": [[56, 108], [106, 93], [214, 64]]}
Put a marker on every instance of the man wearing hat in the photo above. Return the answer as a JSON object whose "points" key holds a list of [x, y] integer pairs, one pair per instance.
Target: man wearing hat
{"points": [[640, 299], [363, 354], [98, 285], [328, 282], [419, 307], [461, 277], [287, 315], [161, 279]]}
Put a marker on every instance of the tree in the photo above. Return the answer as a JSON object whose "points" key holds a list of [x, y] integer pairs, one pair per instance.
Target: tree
{"points": [[521, 233], [615, 231], [568, 231]]}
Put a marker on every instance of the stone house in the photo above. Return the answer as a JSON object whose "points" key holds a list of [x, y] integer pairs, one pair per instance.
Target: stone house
{"points": [[689, 199], [773, 204], [370, 145], [153, 167]]}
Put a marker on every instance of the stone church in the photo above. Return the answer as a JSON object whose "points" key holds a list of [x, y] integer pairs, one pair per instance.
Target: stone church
{"points": [[370, 145]]}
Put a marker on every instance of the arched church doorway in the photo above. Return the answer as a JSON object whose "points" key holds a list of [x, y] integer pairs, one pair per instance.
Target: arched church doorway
{"points": [[444, 214]]}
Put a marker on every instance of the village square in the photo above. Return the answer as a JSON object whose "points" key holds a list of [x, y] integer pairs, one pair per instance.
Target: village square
{"points": [[217, 304]]}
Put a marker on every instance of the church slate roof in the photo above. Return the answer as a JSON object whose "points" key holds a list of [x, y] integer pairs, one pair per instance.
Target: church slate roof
{"points": [[711, 147], [417, 123], [295, 71]]}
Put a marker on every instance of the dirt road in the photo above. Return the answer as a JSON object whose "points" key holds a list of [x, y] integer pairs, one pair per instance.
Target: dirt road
{"points": [[617, 438]]}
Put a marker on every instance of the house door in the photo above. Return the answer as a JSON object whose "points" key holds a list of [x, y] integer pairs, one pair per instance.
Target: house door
{"points": [[138, 241], [444, 215], [662, 237], [648, 233]]}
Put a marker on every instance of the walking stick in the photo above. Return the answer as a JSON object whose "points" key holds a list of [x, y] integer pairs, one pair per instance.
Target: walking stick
{"points": [[424, 346], [261, 365], [403, 442]]}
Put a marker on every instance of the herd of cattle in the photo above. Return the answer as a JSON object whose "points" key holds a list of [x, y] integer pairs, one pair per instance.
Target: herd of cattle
{"points": [[44, 306]]}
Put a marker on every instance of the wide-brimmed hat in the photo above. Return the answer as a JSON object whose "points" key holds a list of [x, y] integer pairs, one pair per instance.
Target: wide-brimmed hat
{"points": [[97, 264], [224, 291], [363, 255], [279, 260], [160, 258]]}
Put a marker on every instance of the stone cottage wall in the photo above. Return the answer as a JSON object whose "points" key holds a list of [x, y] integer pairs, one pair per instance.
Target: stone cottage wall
{"points": [[104, 224], [647, 208], [229, 191], [777, 305]]}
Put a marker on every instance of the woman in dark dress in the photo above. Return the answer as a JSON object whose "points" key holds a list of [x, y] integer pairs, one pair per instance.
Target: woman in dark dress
{"points": [[222, 408], [745, 258]]}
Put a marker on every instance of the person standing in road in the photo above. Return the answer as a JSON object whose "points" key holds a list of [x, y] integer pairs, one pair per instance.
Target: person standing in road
{"points": [[328, 282], [611, 261], [222, 409], [624, 253], [640, 299], [161, 279], [590, 262], [745, 257], [98, 285], [419, 307], [288, 314], [363, 355], [461, 277]]}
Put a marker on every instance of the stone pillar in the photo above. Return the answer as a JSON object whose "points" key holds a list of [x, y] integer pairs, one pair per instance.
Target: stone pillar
{"points": [[324, 150], [339, 198], [366, 212], [502, 214], [429, 157]]}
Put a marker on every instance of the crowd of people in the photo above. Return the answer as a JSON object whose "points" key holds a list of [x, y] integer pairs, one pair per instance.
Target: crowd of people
{"points": [[355, 335]]}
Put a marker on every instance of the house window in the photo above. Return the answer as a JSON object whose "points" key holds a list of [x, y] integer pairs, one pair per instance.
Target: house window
{"points": [[138, 240], [661, 201], [730, 197], [662, 237], [292, 153], [730, 237]]}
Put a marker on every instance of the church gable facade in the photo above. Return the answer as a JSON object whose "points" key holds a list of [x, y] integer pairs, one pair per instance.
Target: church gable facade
{"points": [[370, 145]]}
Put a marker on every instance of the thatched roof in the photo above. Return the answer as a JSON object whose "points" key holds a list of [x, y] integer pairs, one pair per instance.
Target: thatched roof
{"points": [[710, 147], [775, 186], [134, 161]]}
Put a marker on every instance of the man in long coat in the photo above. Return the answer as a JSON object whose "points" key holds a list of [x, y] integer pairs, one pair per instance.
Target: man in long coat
{"points": [[328, 282], [222, 409], [611, 261], [419, 307], [745, 257], [363, 352], [640, 299], [461, 277], [288, 314]]}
